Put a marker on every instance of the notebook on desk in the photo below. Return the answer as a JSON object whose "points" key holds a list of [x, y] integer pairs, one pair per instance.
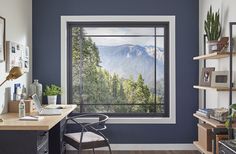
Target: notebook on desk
{"points": [[42, 111]]}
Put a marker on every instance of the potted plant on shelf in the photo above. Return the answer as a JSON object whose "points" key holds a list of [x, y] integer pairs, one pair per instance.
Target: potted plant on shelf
{"points": [[213, 29], [231, 119], [51, 92]]}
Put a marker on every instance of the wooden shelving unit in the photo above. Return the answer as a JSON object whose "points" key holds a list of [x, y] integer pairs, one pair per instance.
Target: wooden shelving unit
{"points": [[214, 55], [200, 148], [218, 128], [213, 88], [211, 122]]}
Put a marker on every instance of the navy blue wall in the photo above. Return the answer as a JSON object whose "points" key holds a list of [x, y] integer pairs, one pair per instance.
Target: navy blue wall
{"points": [[46, 58]]}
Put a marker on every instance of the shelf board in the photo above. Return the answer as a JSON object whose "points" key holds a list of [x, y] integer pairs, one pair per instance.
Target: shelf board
{"points": [[199, 147], [213, 88], [211, 122], [214, 55]]}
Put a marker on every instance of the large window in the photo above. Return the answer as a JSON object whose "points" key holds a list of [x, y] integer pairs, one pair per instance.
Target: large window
{"points": [[121, 69]]}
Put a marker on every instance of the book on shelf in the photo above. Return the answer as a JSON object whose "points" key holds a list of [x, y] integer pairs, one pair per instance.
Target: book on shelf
{"points": [[219, 114], [220, 119], [205, 112], [202, 114]]}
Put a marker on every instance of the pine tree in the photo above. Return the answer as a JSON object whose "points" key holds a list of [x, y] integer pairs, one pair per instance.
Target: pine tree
{"points": [[115, 85]]}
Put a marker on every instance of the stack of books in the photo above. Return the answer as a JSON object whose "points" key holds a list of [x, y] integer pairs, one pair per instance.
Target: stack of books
{"points": [[219, 114], [205, 112]]}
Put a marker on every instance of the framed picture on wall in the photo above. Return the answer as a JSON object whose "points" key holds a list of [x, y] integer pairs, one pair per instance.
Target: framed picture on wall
{"points": [[2, 38], [206, 76], [16, 55], [25, 58]]}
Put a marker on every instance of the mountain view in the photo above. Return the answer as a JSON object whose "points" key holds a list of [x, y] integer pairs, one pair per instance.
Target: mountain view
{"points": [[131, 60]]}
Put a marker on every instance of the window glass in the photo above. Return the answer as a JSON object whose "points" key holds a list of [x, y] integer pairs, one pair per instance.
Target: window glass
{"points": [[118, 70]]}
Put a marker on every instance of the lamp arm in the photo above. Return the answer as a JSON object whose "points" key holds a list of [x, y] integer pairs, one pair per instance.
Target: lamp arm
{"points": [[3, 82]]}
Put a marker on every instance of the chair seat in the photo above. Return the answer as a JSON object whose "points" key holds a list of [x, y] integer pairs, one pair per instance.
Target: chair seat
{"points": [[87, 137], [89, 140]]}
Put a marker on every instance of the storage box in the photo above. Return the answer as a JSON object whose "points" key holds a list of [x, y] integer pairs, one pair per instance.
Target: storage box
{"points": [[13, 106], [205, 136]]}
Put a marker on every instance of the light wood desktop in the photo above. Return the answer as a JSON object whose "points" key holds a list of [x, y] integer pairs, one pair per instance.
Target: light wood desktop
{"points": [[39, 137], [11, 121]]}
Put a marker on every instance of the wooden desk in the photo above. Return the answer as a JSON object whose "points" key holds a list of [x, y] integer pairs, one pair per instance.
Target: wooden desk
{"points": [[33, 137]]}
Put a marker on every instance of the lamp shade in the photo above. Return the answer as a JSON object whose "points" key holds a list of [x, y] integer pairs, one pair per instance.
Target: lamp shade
{"points": [[14, 73]]}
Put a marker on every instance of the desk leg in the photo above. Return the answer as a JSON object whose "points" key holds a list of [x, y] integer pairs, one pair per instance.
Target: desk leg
{"points": [[56, 138]]}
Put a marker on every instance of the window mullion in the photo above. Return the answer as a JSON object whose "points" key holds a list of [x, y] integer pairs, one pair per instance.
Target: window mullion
{"points": [[155, 76], [81, 70]]}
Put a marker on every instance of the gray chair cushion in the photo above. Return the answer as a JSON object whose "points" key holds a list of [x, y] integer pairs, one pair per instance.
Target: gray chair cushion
{"points": [[89, 140], [87, 137]]}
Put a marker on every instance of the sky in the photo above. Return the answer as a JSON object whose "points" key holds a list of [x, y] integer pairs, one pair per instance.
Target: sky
{"points": [[113, 41]]}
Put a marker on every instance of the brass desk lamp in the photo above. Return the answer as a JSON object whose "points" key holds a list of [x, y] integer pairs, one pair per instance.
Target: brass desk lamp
{"points": [[14, 73]]}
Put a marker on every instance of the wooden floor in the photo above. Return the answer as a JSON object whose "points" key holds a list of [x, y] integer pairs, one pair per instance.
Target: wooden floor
{"points": [[137, 152]]}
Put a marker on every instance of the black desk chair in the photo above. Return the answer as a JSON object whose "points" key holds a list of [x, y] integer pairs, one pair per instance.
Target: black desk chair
{"points": [[90, 136]]}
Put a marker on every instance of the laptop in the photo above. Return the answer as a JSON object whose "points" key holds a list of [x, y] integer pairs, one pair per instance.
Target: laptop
{"points": [[42, 111]]}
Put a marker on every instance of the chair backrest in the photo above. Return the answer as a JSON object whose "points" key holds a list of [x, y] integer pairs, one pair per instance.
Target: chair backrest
{"points": [[102, 120], [97, 125]]}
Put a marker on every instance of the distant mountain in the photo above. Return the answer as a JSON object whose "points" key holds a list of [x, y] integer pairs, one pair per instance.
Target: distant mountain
{"points": [[159, 52], [130, 60]]}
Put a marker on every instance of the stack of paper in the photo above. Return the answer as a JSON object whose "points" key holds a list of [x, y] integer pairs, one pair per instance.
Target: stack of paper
{"points": [[31, 118]]}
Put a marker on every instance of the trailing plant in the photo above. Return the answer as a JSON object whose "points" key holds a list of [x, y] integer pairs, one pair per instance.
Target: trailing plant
{"points": [[52, 90], [212, 25]]}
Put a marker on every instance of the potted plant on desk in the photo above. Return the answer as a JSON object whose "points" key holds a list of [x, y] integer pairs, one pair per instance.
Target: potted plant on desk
{"points": [[51, 92]]}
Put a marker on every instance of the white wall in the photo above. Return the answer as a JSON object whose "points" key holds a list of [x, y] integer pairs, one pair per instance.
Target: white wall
{"points": [[18, 15], [228, 14]]}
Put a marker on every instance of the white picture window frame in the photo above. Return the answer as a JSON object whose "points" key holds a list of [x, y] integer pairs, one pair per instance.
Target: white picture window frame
{"points": [[172, 69]]}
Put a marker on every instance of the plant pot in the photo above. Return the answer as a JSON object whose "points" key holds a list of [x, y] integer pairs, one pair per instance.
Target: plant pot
{"points": [[52, 100], [212, 46]]}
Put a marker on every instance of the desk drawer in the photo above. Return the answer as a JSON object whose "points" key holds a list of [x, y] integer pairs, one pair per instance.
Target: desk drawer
{"points": [[42, 137]]}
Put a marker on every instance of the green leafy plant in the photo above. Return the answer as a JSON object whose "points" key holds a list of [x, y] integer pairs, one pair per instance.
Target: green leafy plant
{"points": [[212, 25], [232, 116], [52, 90]]}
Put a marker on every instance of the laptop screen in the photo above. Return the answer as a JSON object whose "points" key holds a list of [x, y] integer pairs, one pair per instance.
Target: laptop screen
{"points": [[37, 102]]}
